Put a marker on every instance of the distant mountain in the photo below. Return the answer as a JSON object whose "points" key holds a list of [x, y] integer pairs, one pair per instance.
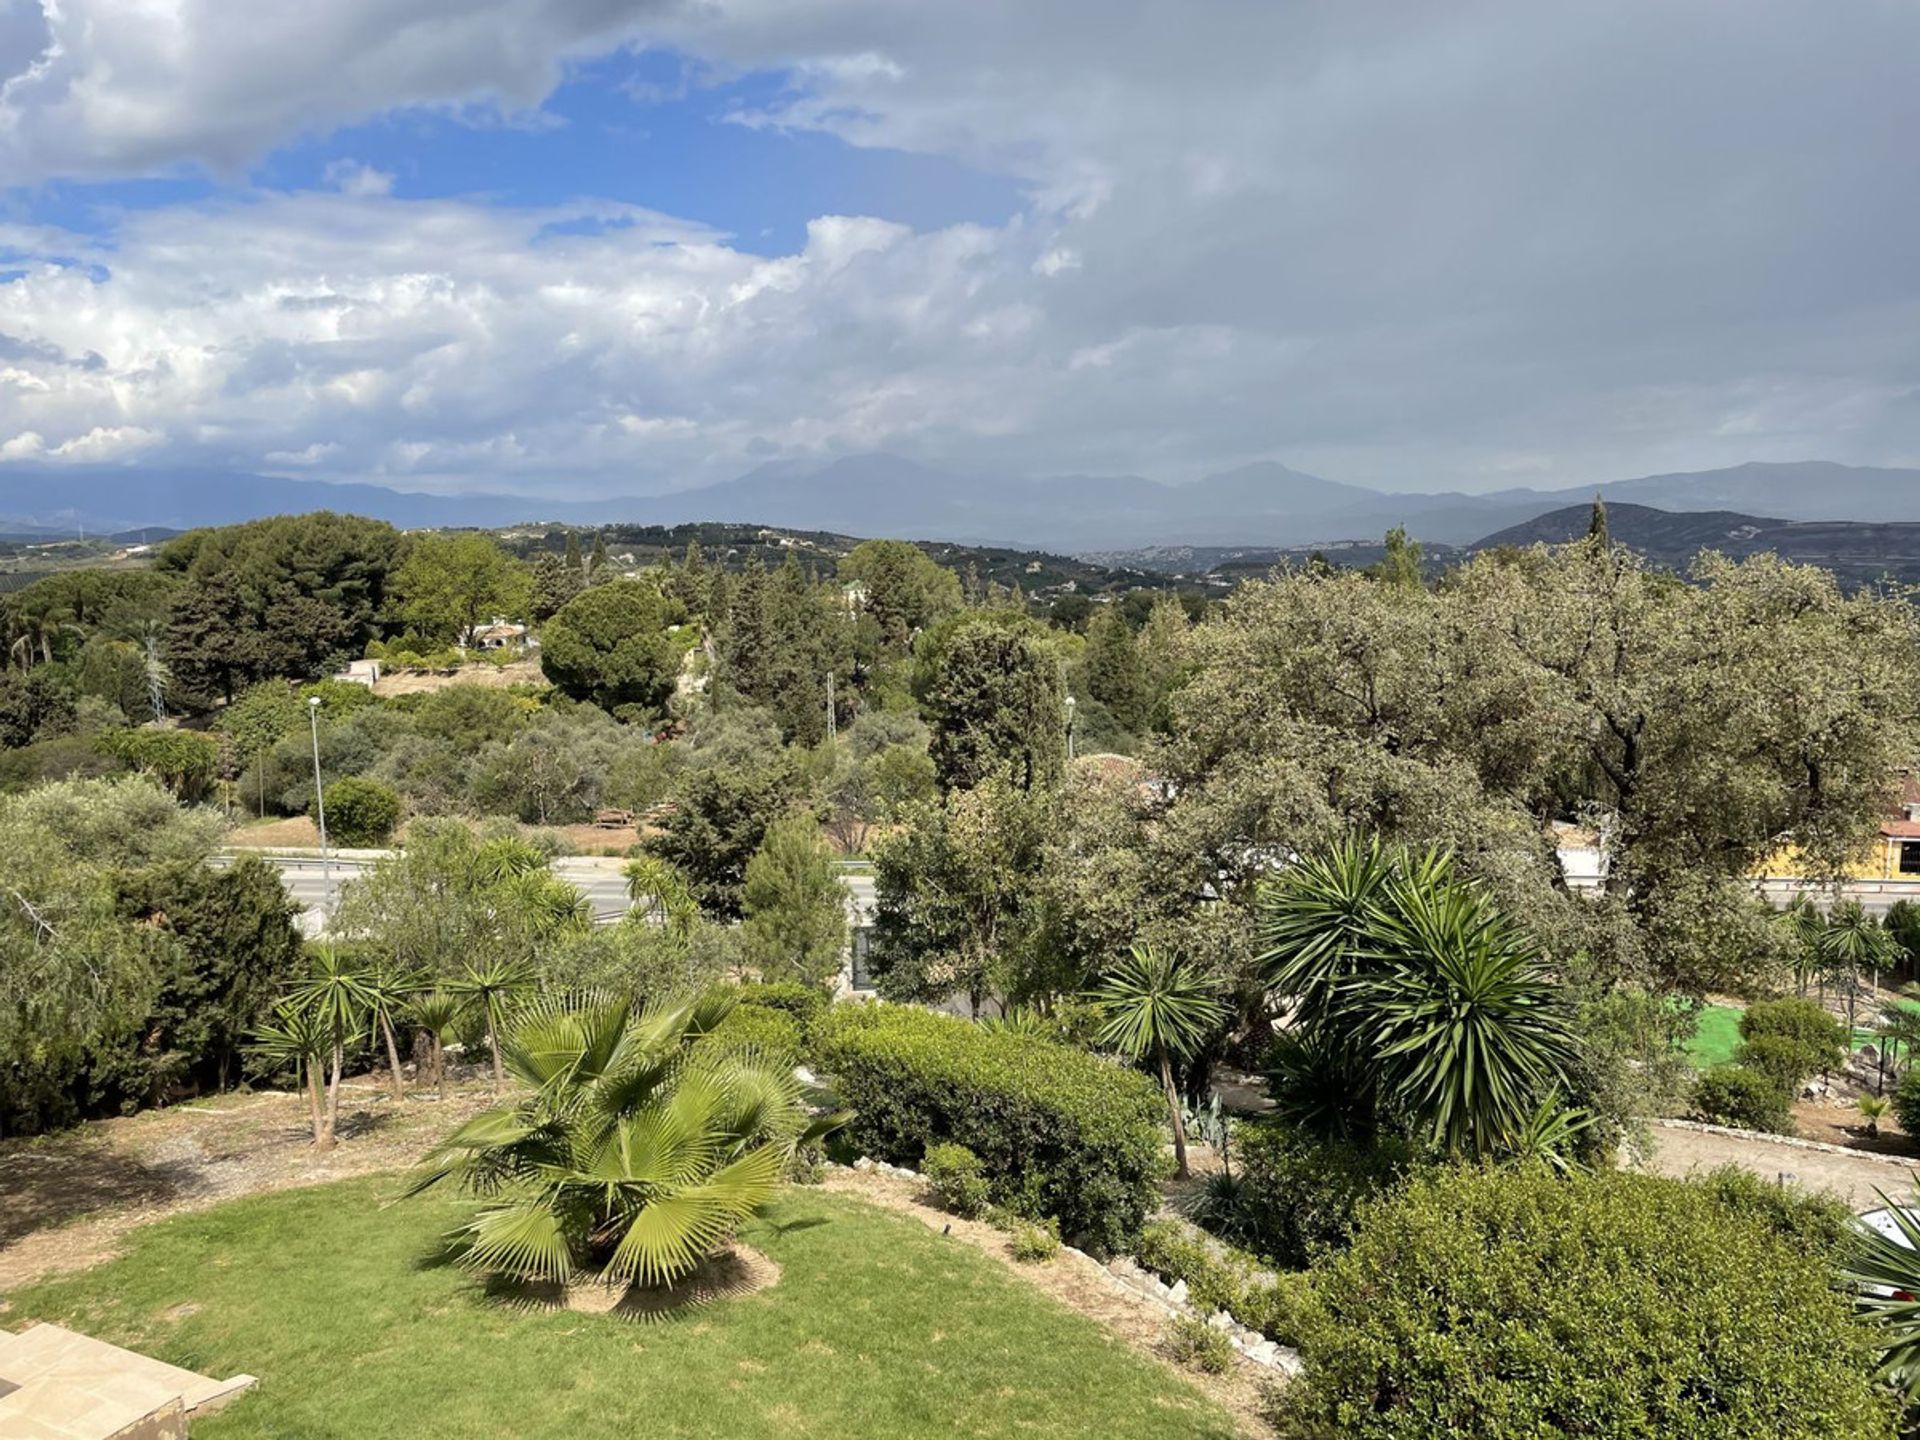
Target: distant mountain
{"points": [[1260, 505], [1858, 552]]}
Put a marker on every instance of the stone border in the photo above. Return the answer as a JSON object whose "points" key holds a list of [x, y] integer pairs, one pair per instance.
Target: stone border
{"points": [[1129, 1277], [1794, 1142]]}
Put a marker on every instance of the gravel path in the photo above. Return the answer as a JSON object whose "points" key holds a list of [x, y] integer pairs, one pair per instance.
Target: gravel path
{"points": [[1854, 1178]]}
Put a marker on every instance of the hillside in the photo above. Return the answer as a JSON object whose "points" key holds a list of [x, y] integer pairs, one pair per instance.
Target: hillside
{"points": [[1858, 552]]}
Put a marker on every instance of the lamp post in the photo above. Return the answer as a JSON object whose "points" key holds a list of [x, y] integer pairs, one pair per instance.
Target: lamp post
{"points": [[320, 803], [1069, 729]]}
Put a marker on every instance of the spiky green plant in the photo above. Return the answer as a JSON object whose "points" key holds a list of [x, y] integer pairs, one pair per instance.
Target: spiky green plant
{"points": [[295, 1036], [339, 998], [1883, 1272], [437, 1013], [1407, 979], [1156, 1007], [633, 1153], [656, 887]]}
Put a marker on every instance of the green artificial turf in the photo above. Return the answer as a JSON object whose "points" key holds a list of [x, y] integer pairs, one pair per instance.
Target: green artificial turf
{"points": [[878, 1327], [1716, 1036]]}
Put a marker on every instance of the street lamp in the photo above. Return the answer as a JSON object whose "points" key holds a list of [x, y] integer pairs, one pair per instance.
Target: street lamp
{"points": [[1069, 729], [320, 802]]}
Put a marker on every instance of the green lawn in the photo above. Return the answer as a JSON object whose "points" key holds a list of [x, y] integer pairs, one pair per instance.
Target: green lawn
{"points": [[878, 1327], [1716, 1036]]}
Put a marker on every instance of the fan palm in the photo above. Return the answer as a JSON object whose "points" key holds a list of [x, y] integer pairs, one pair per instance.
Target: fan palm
{"points": [[1155, 1007], [633, 1154], [1883, 1271]]}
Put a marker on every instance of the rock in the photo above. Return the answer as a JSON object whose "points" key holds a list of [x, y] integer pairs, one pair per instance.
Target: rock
{"points": [[1287, 1360], [1121, 1265], [1161, 1289], [1265, 1353], [1220, 1320], [863, 1163], [1178, 1294]]}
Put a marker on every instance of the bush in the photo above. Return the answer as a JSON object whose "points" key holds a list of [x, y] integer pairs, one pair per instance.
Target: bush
{"points": [[1782, 1059], [1193, 1342], [1814, 1221], [1297, 1194], [771, 1034], [1513, 1302], [1219, 1278], [1906, 1101], [1035, 1244], [1058, 1132], [805, 1003], [954, 1173], [1744, 1098], [361, 813]]}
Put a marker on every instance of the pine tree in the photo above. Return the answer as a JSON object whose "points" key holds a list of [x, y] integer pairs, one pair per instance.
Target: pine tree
{"points": [[1597, 523], [598, 561], [574, 562], [1112, 668]]}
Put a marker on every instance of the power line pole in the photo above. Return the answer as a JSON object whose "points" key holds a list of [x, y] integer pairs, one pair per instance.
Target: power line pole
{"points": [[833, 724]]}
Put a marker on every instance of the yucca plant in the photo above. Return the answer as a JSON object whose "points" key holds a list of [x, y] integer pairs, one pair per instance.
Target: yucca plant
{"points": [[1873, 1109], [437, 1013], [633, 1154], [295, 1036], [1407, 980], [657, 888], [1883, 1272], [1155, 1007], [338, 998], [494, 984]]}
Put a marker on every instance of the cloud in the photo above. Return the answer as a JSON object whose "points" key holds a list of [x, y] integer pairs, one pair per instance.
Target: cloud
{"points": [[1398, 243]]}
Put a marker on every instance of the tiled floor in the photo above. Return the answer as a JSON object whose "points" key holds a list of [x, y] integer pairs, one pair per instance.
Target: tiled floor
{"points": [[67, 1386]]}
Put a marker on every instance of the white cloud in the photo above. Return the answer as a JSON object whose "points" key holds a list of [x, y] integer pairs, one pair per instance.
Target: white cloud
{"points": [[1399, 243]]}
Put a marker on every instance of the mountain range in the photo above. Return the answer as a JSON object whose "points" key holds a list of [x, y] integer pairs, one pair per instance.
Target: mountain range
{"points": [[877, 494]]}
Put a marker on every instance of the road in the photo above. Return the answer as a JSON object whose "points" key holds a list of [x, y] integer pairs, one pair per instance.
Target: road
{"points": [[313, 880]]}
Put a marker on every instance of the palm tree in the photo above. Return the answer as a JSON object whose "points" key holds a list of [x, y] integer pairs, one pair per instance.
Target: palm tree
{"points": [[633, 1153], [1853, 940], [1899, 1028], [339, 999], [656, 887], [1412, 979], [1155, 1007], [494, 984], [437, 1012], [1883, 1272], [295, 1037], [1803, 923], [1872, 1108]]}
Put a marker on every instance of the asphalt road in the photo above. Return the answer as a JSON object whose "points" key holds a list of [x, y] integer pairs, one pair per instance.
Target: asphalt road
{"points": [[313, 880]]}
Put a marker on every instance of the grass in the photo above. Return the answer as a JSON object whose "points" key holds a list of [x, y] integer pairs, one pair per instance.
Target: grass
{"points": [[1715, 1037], [878, 1326]]}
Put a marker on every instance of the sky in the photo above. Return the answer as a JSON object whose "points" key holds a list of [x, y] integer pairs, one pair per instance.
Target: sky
{"points": [[597, 247]]}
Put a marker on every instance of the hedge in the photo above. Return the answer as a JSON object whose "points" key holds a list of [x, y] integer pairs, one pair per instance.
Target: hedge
{"points": [[1744, 1098], [1058, 1131], [805, 1003], [1516, 1303], [1298, 1194], [769, 1033]]}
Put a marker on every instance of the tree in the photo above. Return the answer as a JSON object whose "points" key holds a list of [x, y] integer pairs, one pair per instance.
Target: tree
{"points": [[1414, 981], [1399, 565], [450, 584], [337, 1000], [256, 722], [997, 707], [955, 898], [721, 817], [795, 906], [904, 590], [1111, 671], [609, 645], [633, 1154], [494, 984], [361, 812], [1882, 1272], [1156, 1008]]}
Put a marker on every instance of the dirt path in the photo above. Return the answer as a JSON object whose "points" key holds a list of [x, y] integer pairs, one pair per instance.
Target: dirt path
{"points": [[67, 1201], [1076, 1282], [1853, 1178]]}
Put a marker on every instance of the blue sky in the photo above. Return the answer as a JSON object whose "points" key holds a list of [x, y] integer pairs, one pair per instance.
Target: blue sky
{"points": [[606, 246]]}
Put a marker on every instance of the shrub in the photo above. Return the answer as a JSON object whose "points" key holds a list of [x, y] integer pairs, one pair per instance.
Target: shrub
{"points": [[361, 812], [1906, 1102], [1814, 1221], [1782, 1059], [954, 1173], [1058, 1132], [1035, 1244], [1219, 1278], [769, 1034], [1744, 1098], [805, 1003], [1514, 1302], [1191, 1341], [1297, 1194]]}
